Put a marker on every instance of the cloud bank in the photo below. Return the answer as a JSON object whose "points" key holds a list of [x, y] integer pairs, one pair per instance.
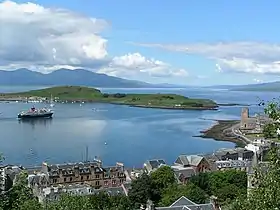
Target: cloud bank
{"points": [[46, 39], [242, 57]]}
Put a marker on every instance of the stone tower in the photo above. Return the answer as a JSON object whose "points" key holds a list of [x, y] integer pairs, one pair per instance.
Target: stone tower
{"points": [[251, 181], [244, 117]]}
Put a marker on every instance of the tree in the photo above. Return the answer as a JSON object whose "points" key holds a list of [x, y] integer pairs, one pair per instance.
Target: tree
{"points": [[174, 192], [142, 190], [163, 177], [269, 130], [20, 196], [202, 181]]}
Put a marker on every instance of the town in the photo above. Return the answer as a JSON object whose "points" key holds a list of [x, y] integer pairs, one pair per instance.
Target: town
{"points": [[49, 181]]}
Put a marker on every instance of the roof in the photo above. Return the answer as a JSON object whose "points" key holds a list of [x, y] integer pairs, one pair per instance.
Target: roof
{"points": [[193, 160], [154, 164], [184, 203], [187, 172]]}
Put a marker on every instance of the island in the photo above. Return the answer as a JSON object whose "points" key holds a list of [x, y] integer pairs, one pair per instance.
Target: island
{"points": [[80, 94]]}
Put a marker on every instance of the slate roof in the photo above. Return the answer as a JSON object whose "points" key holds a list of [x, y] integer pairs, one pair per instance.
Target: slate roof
{"points": [[154, 164], [184, 203], [187, 172], [189, 160]]}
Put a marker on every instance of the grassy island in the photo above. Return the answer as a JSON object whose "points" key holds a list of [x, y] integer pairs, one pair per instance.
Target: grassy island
{"points": [[86, 94]]}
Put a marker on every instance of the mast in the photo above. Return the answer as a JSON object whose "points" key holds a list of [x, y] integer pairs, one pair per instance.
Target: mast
{"points": [[86, 153]]}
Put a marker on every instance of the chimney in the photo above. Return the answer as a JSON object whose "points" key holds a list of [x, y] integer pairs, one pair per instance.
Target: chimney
{"points": [[214, 202]]}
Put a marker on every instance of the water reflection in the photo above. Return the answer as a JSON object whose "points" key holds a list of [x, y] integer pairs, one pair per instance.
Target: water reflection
{"points": [[36, 121]]}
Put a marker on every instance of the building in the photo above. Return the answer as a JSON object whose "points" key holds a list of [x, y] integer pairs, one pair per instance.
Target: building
{"points": [[234, 154], [197, 162], [241, 165], [8, 176], [186, 166], [184, 203], [54, 193], [183, 174], [152, 165], [250, 124], [91, 173]]}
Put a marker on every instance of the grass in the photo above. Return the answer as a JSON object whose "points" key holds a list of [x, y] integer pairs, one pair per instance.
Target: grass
{"points": [[78, 93]]}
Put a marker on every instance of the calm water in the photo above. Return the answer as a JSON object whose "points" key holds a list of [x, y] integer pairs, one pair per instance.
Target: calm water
{"points": [[133, 135]]}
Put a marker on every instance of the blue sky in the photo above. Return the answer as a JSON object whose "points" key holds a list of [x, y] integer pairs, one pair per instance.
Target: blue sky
{"points": [[183, 42]]}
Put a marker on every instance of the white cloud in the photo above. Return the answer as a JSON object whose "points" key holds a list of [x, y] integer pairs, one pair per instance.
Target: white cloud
{"points": [[248, 57], [46, 39], [32, 34], [134, 65]]}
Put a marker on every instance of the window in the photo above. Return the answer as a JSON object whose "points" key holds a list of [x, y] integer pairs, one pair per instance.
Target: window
{"points": [[106, 183], [114, 182], [82, 177], [70, 179], [121, 180], [97, 176], [87, 177], [64, 179], [97, 183]]}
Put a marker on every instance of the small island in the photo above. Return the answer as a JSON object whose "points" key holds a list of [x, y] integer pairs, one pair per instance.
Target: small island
{"points": [[80, 94]]}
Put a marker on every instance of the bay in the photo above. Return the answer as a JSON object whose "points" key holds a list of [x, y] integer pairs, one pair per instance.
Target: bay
{"points": [[116, 132]]}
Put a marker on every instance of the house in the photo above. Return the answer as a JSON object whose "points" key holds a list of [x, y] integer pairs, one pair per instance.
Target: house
{"points": [[91, 173], [184, 203], [197, 162], [152, 165], [183, 174], [8, 176], [54, 193], [234, 154]]}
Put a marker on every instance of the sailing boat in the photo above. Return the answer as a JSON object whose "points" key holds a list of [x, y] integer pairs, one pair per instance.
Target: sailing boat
{"points": [[52, 104]]}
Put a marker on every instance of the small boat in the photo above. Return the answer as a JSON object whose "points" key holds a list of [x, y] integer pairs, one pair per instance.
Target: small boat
{"points": [[105, 143], [36, 113]]}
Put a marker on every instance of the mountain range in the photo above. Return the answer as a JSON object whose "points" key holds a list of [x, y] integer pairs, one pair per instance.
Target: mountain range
{"points": [[80, 77], [66, 77]]}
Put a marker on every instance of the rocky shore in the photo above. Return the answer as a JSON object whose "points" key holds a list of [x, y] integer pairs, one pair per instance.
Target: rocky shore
{"points": [[222, 131]]}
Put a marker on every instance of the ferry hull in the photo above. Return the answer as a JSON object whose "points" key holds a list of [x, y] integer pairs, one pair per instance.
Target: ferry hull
{"points": [[30, 116]]}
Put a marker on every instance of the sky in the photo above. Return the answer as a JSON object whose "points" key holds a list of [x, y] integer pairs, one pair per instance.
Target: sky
{"points": [[190, 42]]}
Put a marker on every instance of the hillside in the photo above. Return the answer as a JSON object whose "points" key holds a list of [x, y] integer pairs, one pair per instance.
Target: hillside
{"points": [[86, 94], [270, 87], [22, 77]]}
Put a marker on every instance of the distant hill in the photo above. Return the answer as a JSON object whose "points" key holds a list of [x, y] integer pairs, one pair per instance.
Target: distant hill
{"points": [[269, 87], [82, 77]]}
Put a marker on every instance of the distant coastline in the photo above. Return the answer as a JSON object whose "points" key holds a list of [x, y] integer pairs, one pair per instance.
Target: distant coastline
{"points": [[79, 94]]}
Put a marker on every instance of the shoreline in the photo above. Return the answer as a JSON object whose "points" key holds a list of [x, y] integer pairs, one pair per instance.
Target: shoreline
{"points": [[70, 101], [222, 131]]}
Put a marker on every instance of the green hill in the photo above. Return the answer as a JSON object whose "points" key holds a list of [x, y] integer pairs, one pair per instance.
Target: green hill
{"points": [[87, 94]]}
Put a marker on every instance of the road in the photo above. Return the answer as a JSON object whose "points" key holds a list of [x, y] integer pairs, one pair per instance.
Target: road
{"points": [[235, 130]]}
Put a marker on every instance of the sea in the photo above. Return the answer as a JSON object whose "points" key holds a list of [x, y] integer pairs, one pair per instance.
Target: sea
{"points": [[117, 133]]}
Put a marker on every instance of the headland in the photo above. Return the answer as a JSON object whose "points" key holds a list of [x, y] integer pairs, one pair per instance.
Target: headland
{"points": [[223, 130], [79, 94]]}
